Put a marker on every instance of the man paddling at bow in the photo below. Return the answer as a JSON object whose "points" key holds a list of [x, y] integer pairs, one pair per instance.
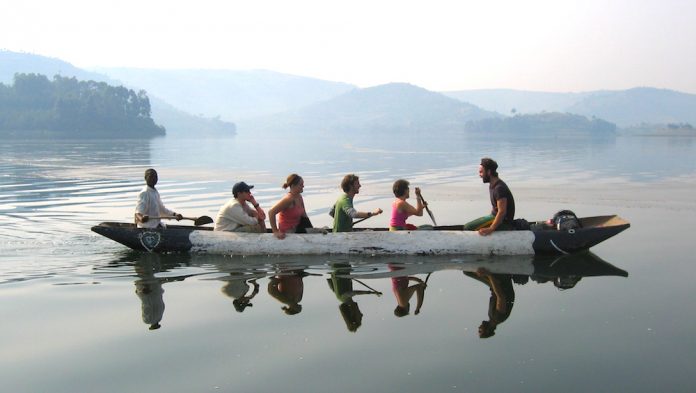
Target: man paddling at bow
{"points": [[503, 212], [150, 206]]}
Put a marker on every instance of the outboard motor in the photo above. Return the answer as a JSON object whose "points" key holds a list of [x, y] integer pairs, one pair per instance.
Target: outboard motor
{"points": [[565, 220]]}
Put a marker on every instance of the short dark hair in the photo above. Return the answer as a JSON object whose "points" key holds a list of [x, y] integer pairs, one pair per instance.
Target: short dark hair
{"points": [[490, 165], [150, 171], [400, 186], [348, 181]]}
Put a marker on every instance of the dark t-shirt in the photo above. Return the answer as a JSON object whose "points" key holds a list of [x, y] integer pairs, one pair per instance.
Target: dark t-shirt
{"points": [[498, 191]]}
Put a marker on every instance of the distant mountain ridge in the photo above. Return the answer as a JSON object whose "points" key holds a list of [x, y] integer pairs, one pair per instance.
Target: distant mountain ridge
{"points": [[639, 105], [200, 102], [624, 107], [394, 107], [25, 63], [231, 95]]}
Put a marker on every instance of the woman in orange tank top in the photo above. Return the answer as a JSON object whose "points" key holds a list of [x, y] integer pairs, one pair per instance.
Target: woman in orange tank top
{"points": [[290, 209]]}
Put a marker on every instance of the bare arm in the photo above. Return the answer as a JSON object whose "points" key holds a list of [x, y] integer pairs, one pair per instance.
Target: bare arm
{"points": [[410, 210], [280, 206], [420, 294], [368, 214], [499, 217]]}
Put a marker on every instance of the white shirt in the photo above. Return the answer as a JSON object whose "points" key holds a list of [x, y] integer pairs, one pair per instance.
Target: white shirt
{"points": [[150, 204], [233, 215]]}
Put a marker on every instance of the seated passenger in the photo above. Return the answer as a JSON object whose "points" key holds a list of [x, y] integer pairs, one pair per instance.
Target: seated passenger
{"points": [[237, 216], [290, 209], [503, 204], [343, 211], [401, 209]]}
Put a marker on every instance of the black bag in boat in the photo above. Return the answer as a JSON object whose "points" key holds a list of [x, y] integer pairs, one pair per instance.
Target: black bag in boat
{"points": [[520, 224], [303, 225]]}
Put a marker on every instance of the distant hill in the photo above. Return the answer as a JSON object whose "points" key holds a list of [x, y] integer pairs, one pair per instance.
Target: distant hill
{"points": [[177, 122], [671, 129], [231, 95], [25, 63], [506, 101], [395, 107], [639, 105], [544, 124], [624, 107]]}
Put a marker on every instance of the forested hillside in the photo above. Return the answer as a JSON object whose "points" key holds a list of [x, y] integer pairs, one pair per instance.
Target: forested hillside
{"points": [[65, 106]]}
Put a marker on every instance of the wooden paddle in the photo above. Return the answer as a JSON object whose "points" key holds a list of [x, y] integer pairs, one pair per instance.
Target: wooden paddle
{"points": [[432, 217], [361, 220], [378, 293], [202, 220]]}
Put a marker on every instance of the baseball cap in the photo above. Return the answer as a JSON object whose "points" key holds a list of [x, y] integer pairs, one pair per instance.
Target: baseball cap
{"points": [[241, 187]]}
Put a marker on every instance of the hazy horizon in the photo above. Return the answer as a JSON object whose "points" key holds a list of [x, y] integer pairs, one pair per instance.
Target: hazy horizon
{"points": [[539, 45]]}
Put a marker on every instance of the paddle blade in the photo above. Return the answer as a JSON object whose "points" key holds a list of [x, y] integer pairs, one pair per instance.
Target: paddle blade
{"points": [[202, 220]]}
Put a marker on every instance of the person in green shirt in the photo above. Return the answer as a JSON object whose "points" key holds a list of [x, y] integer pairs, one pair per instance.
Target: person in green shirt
{"points": [[343, 210]]}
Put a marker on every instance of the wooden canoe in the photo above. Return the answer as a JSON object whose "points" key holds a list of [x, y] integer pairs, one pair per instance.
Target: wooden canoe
{"points": [[442, 240]]}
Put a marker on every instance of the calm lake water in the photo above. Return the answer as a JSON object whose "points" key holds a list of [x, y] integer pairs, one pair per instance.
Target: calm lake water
{"points": [[79, 311]]}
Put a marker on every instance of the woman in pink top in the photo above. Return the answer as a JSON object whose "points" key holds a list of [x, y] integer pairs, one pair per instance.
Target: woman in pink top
{"points": [[290, 209], [401, 209]]}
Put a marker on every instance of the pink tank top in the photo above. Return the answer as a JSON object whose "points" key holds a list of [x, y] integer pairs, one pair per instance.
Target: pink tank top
{"points": [[289, 218], [398, 219]]}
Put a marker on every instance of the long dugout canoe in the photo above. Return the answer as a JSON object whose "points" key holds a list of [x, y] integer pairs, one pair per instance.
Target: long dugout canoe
{"points": [[444, 240]]}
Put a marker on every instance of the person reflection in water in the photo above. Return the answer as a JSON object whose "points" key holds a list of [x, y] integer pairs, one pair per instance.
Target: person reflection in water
{"points": [[501, 301], [342, 287], [149, 290], [237, 287], [288, 289], [403, 293]]}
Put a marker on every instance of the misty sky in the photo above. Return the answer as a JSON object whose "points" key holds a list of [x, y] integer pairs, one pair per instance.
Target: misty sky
{"points": [[541, 45]]}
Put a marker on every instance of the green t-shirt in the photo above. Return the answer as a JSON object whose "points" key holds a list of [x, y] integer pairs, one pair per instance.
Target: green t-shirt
{"points": [[342, 221]]}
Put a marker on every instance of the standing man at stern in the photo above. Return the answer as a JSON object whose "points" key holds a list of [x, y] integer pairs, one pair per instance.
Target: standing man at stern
{"points": [[502, 202]]}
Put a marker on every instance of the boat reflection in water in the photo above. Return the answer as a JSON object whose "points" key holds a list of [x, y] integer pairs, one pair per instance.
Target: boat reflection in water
{"points": [[352, 278]]}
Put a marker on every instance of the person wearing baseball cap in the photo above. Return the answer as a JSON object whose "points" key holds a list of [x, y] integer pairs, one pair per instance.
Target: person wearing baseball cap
{"points": [[237, 215]]}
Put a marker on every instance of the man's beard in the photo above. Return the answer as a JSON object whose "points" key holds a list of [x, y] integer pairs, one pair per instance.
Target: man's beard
{"points": [[486, 178]]}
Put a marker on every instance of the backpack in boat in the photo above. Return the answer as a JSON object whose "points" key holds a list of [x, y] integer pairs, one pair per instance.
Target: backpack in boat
{"points": [[565, 220], [303, 225], [520, 224]]}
